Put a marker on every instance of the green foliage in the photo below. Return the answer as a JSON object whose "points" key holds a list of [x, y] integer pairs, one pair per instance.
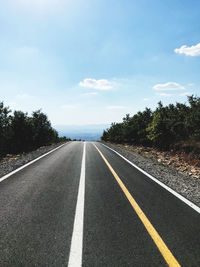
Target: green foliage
{"points": [[132, 130], [21, 133], [193, 118], [135, 127], [162, 128], [5, 120], [43, 132], [115, 133]]}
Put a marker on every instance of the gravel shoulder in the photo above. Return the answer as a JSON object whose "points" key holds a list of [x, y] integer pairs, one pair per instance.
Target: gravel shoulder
{"points": [[12, 162], [187, 186]]}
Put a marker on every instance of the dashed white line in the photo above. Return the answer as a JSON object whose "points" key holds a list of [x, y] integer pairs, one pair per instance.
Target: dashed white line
{"points": [[75, 255]]}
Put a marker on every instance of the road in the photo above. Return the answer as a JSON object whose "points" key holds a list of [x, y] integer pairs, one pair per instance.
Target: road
{"points": [[83, 205]]}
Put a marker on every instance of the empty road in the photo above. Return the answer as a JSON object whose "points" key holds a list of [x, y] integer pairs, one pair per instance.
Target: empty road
{"points": [[84, 205]]}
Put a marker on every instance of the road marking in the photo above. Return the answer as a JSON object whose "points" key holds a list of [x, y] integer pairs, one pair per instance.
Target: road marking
{"points": [[27, 164], [185, 200], [75, 255], [166, 253]]}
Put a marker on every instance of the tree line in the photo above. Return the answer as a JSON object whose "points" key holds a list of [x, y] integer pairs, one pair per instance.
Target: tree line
{"points": [[162, 128], [21, 133]]}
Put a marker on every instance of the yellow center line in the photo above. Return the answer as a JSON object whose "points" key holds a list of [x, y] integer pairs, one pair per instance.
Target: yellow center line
{"points": [[166, 253]]}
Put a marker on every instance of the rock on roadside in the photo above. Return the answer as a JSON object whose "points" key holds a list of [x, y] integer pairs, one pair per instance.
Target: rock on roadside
{"points": [[187, 186]]}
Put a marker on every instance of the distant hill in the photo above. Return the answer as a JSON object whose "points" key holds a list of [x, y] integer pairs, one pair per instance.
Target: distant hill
{"points": [[84, 132]]}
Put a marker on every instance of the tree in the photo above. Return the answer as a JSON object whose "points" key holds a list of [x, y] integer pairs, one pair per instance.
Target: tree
{"points": [[43, 133], [22, 132], [135, 127], [193, 118], [5, 130]]}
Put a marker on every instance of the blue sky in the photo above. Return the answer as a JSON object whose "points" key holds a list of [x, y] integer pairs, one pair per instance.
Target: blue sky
{"points": [[93, 61]]}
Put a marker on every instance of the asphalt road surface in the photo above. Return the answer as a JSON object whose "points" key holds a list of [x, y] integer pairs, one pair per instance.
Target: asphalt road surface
{"points": [[83, 205]]}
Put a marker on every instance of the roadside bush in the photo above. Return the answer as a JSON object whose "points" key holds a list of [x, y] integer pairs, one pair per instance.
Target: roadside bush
{"points": [[162, 128], [21, 133]]}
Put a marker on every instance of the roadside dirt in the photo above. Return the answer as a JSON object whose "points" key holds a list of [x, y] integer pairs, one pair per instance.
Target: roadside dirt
{"points": [[182, 162]]}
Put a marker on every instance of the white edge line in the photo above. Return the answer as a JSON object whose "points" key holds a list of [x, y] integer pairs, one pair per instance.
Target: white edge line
{"points": [[29, 163], [75, 255], [185, 200]]}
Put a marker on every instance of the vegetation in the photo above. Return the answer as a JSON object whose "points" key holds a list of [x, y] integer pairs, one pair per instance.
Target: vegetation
{"points": [[163, 128], [21, 133]]}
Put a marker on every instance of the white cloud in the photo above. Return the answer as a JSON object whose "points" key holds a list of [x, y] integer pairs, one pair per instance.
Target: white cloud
{"points": [[186, 94], [68, 106], [23, 96], [146, 99], [193, 50], [90, 93], [115, 107], [170, 86], [12, 105], [96, 84], [164, 94]]}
